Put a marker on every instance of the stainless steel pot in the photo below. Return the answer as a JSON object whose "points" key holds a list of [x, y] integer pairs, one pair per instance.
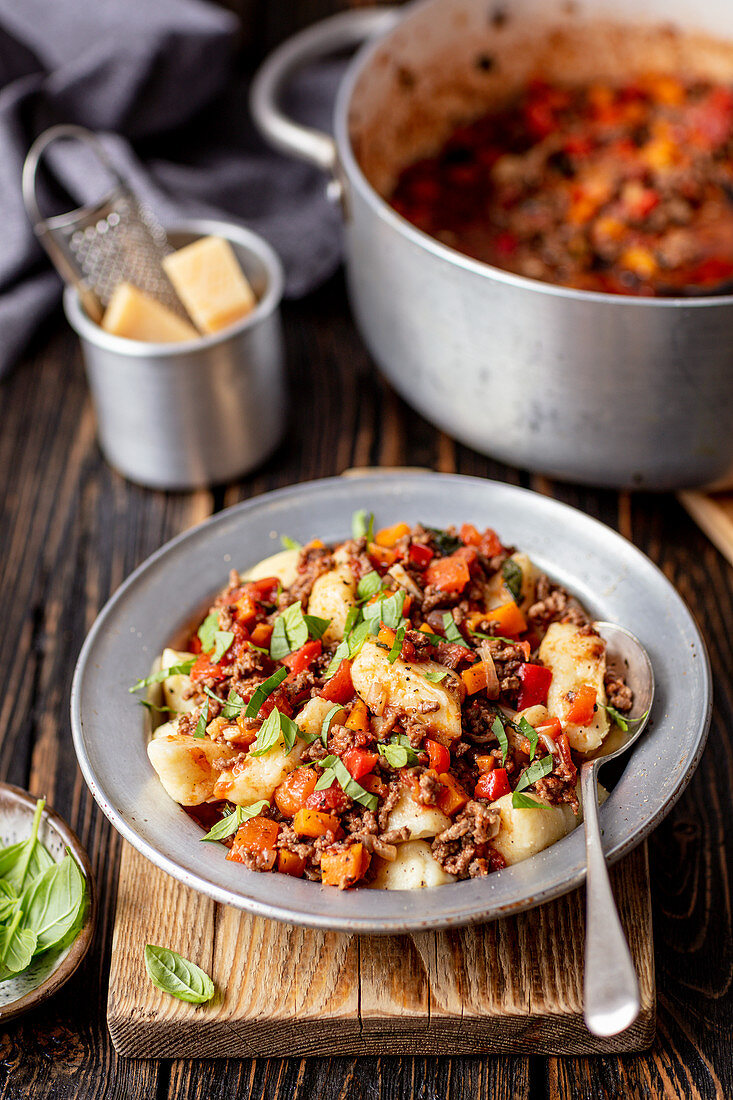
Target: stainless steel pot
{"points": [[596, 388]]}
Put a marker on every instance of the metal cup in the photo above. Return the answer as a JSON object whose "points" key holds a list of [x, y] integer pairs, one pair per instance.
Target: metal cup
{"points": [[186, 415]]}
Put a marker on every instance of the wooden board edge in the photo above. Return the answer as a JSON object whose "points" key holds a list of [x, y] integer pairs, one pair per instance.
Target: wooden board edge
{"points": [[711, 518]]}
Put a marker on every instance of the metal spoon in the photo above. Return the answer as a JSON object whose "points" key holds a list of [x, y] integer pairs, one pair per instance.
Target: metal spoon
{"points": [[611, 991]]}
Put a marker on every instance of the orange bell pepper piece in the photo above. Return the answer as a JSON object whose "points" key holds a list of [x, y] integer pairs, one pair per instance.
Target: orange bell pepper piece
{"points": [[290, 864], [358, 720], [582, 706], [507, 619], [448, 574], [386, 636], [344, 869], [389, 536], [475, 677], [261, 635], [485, 763], [314, 823], [453, 797], [381, 555]]}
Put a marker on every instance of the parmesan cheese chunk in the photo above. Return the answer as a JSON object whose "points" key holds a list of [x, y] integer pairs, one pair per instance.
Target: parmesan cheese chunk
{"points": [[209, 281], [133, 315]]}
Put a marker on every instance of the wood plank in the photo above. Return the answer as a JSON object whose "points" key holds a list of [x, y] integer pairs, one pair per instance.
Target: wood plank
{"points": [[713, 512]]}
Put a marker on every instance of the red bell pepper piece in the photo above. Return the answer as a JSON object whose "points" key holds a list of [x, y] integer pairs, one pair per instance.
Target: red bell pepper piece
{"points": [[492, 785], [358, 762], [536, 681], [339, 689], [265, 590], [582, 706], [302, 658], [328, 800], [438, 756], [203, 672], [419, 555]]}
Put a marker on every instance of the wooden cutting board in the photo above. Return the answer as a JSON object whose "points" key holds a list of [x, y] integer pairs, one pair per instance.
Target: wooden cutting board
{"points": [[713, 512], [513, 986]]}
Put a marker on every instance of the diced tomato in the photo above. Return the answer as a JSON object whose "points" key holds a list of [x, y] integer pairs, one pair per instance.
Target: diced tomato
{"points": [[582, 706], [203, 672], [264, 591], [359, 762], [290, 796], [332, 798], [563, 748], [339, 689], [469, 535], [551, 726], [506, 244], [381, 555], [374, 785], [280, 699], [245, 609], [709, 272], [536, 681], [419, 555], [302, 658], [438, 755], [490, 544], [448, 574], [194, 644], [492, 785]]}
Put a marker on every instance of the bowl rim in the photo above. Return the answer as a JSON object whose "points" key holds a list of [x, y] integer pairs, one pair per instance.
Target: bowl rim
{"points": [[81, 944], [397, 922], [87, 329]]}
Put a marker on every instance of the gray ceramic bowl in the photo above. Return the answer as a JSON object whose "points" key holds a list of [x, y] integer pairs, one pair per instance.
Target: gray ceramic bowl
{"points": [[49, 971], [613, 579]]}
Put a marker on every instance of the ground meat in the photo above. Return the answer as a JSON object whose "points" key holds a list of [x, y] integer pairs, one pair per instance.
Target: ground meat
{"points": [[553, 604], [341, 739], [460, 849], [478, 718], [557, 789], [388, 804], [619, 693], [288, 839], [315, 751], [250, 661], [313, 562], [429, 787], [187, 722]]}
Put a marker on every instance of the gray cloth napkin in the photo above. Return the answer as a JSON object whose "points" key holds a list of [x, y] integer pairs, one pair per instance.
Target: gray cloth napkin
{"points": [[160, 81]]}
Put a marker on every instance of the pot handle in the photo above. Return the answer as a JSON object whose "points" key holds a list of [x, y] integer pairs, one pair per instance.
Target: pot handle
{"points": [[330, 35]]}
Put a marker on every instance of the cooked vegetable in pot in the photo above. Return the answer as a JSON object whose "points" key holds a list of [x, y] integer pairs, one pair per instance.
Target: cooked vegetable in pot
{"points": [[404, 709], [626, 188]]}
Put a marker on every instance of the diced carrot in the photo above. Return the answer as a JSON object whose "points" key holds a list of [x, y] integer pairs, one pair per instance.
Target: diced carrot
{"points": [[386, 636], [388, 536], [438, 755], [453, 797], [358, 720], [507, 619], [291, 794], [290, 864], [485, 762], [313, 823], [344, 869], [261, 635], [382, 555], [475, 677], [255, 837], [582, 706]]}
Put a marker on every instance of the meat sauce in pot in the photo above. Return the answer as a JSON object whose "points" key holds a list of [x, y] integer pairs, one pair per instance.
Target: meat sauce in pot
{"points": [[626, 188]]}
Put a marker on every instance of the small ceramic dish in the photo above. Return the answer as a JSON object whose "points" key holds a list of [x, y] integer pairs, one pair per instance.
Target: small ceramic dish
{"points": [[49, 971]]}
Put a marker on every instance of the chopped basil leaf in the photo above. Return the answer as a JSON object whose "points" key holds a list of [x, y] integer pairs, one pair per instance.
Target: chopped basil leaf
{"points": [[492, 637], [512, 573], [200, 730], [326, 724], [268, 735], [524, 802], [398, 751], [233, 705], [327, 779], [362, 525], [182, 669], [388, 610], [396, 645], [535, 771], [290, 730], [500, 733], [452, 632], [337, 768], [229, 824], [222, 640], [291, 631], [352, 618], [154, 706], [290, 544], [530, 733], [619, 719], [357, 638], [435, 675], [265, 689], [341, 651], [369, 585], [445, 543], [207, 630], [316, 627]]}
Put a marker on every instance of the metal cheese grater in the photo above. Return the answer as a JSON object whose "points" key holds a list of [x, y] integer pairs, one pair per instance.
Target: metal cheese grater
{"points": [[98, 246]]}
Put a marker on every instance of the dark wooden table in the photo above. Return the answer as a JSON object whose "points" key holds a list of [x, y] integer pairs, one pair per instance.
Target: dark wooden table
{"points": [[71, 530]]}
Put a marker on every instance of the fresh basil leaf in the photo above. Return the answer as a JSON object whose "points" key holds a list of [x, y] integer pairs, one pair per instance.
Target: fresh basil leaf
{"points": [[397, 645], [289, 730], [207, 630], [511, 571], [452, 633], [23, 861], [51, 903], [329, 775], [404, 740], [264, 690], [17, 947], [362, 525], [279, 644], [348, 785], [530, 733], [617, 717], [229, 824], [340, 653], [290, 632], [8, 900], [352, 618], [233, 705], [357, 638], [316, 627], [445, 543], [200, 730], [435, 675], [182, 669], [524, 802], [534, 772], [369, 585], [388, 610], [395, 755], [268, 734], [499, 732], [154, 707], [326, 724], [492, 637], [222, 641], [173, 974], [290, 544]]}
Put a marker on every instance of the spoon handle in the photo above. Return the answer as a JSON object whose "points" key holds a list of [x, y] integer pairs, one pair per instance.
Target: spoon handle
{"points": [[611, 989]]}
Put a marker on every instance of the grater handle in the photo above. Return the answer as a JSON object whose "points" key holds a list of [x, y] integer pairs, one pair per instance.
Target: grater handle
{"points": [[41, 225]]}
